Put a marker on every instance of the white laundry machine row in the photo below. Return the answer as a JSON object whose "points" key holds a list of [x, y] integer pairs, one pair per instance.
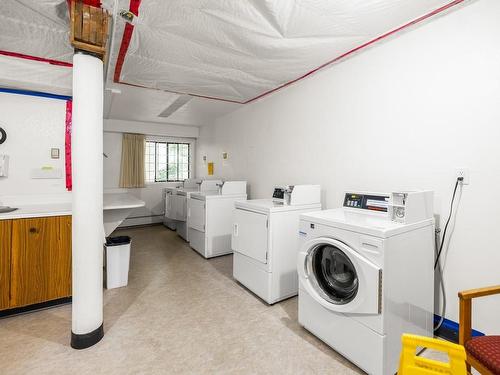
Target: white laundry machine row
{"points": [[265, 242], [210, 218], [180, 204], [366, 275], [169, 218]]}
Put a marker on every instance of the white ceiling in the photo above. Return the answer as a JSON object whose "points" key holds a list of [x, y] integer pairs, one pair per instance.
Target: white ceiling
{"points": [[138, 104], [239, 50], [232, 50]]}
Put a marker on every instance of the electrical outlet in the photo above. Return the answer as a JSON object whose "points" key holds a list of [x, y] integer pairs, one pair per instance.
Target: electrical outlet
{"points": [[464, 173]]}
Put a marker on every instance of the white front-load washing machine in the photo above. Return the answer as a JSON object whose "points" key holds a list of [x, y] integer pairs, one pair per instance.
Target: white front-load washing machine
{"points": [[366, 278]]}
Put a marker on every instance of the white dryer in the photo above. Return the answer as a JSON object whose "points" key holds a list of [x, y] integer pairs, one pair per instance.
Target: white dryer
{"points": [[180, 203], [264, 240], [365, 279], [210, 218]]}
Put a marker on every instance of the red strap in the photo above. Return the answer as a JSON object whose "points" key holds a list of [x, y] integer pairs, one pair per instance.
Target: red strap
{"points": [[127, 36], [67, 146], [35, 58]]}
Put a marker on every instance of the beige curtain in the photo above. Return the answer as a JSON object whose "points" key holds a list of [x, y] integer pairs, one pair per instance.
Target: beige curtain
{"points": [[132, 166]]}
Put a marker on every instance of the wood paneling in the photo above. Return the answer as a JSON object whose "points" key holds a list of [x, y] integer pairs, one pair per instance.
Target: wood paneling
{"points": [[5, 239], [41, 260], [60, 261], [89, 28]]}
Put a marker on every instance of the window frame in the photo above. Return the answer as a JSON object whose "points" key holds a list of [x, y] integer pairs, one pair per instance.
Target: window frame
{"points": [[167, 141]]}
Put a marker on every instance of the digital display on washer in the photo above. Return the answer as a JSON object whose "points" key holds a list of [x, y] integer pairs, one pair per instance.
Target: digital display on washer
{"points": [[367, 202]]}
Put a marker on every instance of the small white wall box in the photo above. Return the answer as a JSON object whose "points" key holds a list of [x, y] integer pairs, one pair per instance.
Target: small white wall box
{"points": [[4, 165], [54, 153], [411, 206], [117, 261]]}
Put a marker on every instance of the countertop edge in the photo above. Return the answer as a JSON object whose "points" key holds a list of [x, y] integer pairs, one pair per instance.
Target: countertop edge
{"points": [[14, 216]]}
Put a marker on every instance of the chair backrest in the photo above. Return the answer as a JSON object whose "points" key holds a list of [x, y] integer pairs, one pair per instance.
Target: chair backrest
{"points": [[411, 364]]}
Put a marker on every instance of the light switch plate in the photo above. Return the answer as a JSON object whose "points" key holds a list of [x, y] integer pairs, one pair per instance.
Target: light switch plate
{"points": [[54, 153]]}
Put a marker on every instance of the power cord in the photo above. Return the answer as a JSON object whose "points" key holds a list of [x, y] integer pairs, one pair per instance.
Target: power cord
{"points": [[441, 282], [437, 265], [459, 180]]}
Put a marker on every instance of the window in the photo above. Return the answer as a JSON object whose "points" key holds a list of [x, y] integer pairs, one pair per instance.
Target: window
{"points": [[167, 161]]}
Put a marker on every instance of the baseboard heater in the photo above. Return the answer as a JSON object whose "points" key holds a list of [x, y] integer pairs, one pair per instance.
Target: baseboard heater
{"points": [[144, 217]]}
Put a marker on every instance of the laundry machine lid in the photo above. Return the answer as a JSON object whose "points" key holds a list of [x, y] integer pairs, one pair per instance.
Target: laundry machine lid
{"points": [[338, 277], [374, 224], [270, 205]]}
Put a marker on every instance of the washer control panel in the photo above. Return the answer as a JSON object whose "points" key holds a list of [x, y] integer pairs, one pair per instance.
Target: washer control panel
{"points": [[279, 193], [369, 202]]}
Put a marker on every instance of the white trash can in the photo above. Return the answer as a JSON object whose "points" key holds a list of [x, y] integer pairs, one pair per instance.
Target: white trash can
{"points": [[117, 261]]}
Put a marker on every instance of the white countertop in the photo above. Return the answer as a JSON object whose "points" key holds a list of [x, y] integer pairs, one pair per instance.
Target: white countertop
{"points": [[111, 201], [38, 210]]}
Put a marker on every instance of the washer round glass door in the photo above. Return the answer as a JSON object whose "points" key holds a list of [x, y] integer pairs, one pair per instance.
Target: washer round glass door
{"points": [[334, 276]]}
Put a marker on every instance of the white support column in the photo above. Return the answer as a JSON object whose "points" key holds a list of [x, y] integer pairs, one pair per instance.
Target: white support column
{"points": [[88, 232]]}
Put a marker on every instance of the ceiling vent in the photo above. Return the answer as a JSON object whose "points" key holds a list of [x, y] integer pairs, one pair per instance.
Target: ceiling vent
{"points": [[175, 106]]}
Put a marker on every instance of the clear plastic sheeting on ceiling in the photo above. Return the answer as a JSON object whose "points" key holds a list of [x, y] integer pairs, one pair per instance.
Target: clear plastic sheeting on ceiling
{"points": [[238, 50], [36, 28], [35, 76], [35, 52]]}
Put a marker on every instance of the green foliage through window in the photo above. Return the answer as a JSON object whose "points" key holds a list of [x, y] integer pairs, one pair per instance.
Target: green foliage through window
{"points": [[166, 161]]}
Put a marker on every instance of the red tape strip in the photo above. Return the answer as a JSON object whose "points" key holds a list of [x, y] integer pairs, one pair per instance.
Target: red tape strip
{"points": [[35, 58], [67, 146], [127, 36]]}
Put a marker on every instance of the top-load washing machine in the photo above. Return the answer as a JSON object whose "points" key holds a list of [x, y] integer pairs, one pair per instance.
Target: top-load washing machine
{"points": [[169, 218], [210, 218], [366, 275], [180, 203], [265, 242]]}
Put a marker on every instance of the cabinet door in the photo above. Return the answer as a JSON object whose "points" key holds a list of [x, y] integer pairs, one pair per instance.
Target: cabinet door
{"points": [[60, 261], [5, 239], [41, 260]]}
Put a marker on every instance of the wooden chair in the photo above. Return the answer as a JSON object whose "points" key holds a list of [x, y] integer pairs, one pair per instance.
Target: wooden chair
{"points": [[483, 352]]}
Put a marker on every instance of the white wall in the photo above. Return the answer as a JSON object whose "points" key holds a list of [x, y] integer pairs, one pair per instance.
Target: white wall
{"points": [[152, 193], [402, 114], [169, 130], [34, 125]]}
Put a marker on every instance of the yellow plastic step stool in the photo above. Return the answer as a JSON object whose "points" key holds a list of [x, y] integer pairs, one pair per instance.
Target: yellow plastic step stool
{"points": [[411, 364]]}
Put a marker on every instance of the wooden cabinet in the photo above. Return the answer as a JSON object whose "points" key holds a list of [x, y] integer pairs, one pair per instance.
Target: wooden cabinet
{"points": [[40, 260], [5, 251]]}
